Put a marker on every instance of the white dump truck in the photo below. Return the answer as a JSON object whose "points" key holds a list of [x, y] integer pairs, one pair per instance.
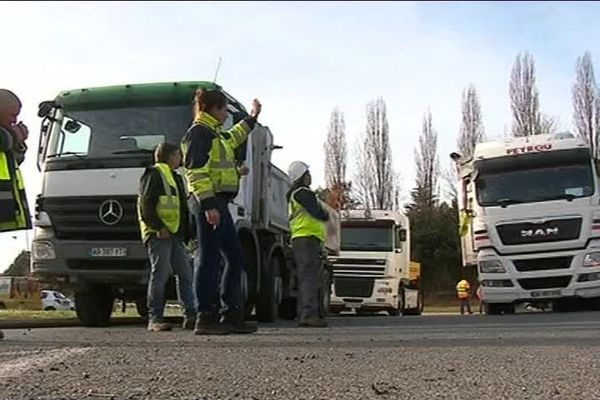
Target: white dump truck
{"points": [[94, 146], [373, 271], [530, 221]]}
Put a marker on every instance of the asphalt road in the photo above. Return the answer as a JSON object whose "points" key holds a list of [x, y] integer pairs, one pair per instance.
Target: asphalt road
{"points": [[526, 356]]}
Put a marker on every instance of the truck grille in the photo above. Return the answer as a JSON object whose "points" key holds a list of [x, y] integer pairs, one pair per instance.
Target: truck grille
{"points": [[353, 287], [359, 267], [550, 231], [78, 218], [545, 283], [96, 265], [542, 264]]}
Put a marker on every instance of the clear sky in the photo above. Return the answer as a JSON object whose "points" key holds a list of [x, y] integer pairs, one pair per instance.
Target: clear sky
{"points": [[301, 60]]}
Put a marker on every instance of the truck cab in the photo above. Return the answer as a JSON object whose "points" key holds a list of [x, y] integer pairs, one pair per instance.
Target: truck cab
{"points": [[530, 220], [373, 270]]}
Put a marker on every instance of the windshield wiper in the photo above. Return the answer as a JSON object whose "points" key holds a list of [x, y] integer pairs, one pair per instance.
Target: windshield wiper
{"points": [[505, 202], [77, 154], [134, 151], [563, 196]]}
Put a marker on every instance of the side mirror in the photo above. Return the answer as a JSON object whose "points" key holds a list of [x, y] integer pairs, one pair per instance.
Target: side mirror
{"points": [[402, 235], [72, 126], [45, 108], [400, 238]]}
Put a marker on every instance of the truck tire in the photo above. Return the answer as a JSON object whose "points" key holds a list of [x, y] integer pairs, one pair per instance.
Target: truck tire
{"points": [[325, 293], [499, 308], [141, 305], [394, 312], [287, 308], [269, 298], [94, 306], [415, 311]]}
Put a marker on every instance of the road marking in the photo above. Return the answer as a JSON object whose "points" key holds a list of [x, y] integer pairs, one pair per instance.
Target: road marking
{"points": [[16, 367]]}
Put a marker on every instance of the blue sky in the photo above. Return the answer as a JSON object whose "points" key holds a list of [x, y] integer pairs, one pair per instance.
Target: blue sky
{"points": [[302, 60]]}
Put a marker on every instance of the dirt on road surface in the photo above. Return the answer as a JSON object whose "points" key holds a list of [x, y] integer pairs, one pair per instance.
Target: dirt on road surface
{"points": [[529, 356]]}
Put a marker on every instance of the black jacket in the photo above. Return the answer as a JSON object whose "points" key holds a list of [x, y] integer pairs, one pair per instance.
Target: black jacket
{"points": [[308, 200], [150, 189]]}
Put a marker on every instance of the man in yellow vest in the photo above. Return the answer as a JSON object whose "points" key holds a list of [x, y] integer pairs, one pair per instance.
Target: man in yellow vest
{"points": [[163, 218], [14, 210], [307, 224], [463, 292]]}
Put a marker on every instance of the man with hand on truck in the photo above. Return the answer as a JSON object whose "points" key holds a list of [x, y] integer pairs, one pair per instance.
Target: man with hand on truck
{"points": [[307, 223]]}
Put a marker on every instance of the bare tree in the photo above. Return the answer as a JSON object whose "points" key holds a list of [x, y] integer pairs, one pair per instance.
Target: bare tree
{"points": [[471, 128], [549, 124], [428, 165], [335, 151], [376, 182], [524, 97], [586, 102]]}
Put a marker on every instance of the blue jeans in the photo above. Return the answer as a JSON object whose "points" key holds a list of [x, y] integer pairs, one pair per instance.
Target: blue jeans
{"points": [[208, 281], [166, 255]]}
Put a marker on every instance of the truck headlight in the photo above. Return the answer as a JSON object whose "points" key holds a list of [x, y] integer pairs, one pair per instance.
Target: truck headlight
{"points": [[592, 260], [43, 250], [491, 267]]}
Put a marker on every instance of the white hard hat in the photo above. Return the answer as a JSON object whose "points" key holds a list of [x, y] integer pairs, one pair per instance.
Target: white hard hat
{"points": [[297, 170]]}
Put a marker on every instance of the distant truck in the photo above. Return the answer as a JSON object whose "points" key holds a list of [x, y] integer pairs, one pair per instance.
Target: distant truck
{"points": [[20, 293], [94, 146], [373, 271], [530, 221]]}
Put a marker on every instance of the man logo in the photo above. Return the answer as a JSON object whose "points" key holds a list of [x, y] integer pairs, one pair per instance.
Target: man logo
{"points": [[540, 232], [110, 212]]}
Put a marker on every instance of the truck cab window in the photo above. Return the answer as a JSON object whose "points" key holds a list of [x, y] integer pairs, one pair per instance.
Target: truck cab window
{"points": [[74, 138]]}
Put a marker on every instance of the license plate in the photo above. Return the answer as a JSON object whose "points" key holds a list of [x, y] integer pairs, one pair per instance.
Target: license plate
{"points": [[353, 305], [108, 252], [545, 293]]}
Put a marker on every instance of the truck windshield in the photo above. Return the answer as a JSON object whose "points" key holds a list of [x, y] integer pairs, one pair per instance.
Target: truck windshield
{"points": [[355, 238], [535, 184], [117, 133]]}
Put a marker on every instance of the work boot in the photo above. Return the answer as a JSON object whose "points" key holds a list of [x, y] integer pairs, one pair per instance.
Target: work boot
{"points": [[158, 326], [188, 323], [207, 323], [235, 320], [313, 322]]}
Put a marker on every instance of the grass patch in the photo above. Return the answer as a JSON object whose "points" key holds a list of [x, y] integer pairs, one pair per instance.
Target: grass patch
{"points": [[29, 314]]}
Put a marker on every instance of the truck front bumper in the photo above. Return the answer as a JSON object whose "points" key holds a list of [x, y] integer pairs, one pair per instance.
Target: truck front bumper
{"points": [[72, 261], [378, 303], [518, 294]]}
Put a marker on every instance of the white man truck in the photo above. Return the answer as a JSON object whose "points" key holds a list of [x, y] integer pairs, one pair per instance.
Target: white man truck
{"points": [[373, 271], [94, 146], [530, 221]]}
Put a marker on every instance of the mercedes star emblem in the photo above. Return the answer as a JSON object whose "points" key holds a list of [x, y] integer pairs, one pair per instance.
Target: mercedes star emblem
{"points": [[110, 212]]}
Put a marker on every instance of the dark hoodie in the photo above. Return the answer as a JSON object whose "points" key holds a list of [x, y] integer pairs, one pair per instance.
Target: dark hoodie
{"points": [[308, 200]]}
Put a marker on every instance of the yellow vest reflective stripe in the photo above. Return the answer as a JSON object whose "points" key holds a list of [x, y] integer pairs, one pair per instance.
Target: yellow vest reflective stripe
{"points": [[168, 206], [219, 174], [462, 289], [302, 224], [14, 210], [464, 223]]}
